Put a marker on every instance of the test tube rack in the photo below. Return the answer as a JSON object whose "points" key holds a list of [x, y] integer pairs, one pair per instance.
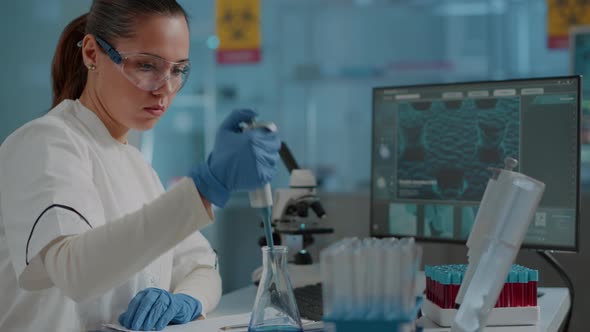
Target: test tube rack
{"points": [[516, 304]]}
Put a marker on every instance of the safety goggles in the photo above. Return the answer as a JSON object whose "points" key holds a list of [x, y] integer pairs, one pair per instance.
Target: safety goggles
{"points": [[147, 72]]}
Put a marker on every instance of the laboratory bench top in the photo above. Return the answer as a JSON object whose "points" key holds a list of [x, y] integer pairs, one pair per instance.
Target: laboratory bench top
{"points": [[554, 305]]}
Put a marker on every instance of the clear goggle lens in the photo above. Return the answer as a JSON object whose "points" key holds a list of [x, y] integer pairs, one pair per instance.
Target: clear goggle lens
{"points": [[150, 73]]}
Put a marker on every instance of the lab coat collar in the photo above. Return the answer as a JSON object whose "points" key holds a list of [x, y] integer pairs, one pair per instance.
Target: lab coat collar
{"points": [[94, 124]]}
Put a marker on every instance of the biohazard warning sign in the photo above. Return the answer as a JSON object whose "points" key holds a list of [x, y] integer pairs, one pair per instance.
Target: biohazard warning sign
{"points": [[238, 30], [561, 16]]}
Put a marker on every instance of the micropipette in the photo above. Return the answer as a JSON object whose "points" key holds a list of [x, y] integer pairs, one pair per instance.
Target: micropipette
{"points": [[261, 198]]}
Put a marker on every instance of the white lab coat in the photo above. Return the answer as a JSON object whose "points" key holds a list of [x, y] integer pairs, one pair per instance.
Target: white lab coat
{"points": [[135, 235]]}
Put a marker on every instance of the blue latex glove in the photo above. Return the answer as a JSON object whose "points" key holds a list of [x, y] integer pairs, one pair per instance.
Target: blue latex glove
{"points": [[154, 308], [240, 161]]}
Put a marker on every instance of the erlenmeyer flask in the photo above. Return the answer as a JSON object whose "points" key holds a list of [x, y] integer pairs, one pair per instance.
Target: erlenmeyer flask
{"points": [[275, 308]]}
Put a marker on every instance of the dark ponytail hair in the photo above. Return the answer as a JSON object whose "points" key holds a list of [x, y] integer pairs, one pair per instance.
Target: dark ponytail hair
{"points": [[68, 72], [109, 19]]}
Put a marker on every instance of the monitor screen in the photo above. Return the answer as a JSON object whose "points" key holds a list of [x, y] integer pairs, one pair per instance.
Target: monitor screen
{"points": [[432, 146]]}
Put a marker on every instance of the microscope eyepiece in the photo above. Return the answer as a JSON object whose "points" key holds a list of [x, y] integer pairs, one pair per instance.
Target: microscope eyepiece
{"points": [[318, 209]]}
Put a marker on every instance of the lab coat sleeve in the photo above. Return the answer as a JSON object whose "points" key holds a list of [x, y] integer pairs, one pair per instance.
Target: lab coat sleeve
{"points": [[91, 263], [195, 271], [44, 165]]}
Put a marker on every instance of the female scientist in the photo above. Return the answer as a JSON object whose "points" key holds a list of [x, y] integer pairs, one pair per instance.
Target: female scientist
{"points": [[87, 234]]}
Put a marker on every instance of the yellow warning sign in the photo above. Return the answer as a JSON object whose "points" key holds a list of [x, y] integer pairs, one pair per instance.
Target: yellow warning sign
{"points": [[238, 30], [561, 16]]}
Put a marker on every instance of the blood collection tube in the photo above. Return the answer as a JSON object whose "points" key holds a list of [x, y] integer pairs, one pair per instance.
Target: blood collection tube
{"points": [[511, 289], [522, 282], [446, 285], [534, 280], [455, 285], [436, 287], [428, 288], [516, 290]]}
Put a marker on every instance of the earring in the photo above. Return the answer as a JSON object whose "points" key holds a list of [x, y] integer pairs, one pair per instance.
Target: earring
{"points": [[92, 67]]}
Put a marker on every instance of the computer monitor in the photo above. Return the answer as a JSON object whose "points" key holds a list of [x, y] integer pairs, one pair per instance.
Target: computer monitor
{"points": [[433, 145]]}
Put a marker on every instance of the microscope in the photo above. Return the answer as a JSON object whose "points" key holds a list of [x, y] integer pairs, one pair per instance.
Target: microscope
{"points": [[294, 225]]}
